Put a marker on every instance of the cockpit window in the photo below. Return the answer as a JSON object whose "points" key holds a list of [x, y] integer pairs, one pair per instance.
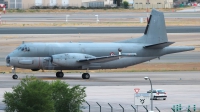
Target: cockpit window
{"points": [[24, 48]]}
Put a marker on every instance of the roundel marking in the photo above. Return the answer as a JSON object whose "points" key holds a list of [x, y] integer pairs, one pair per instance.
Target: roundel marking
{"points": [[112, 54]]}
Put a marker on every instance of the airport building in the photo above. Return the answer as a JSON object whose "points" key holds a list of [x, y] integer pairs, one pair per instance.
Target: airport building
{"points": [[25, 4], [144, 4], [136, 4]]}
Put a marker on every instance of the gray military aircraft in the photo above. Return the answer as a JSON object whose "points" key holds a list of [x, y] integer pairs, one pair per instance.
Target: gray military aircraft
{"points": [[84, 56]]}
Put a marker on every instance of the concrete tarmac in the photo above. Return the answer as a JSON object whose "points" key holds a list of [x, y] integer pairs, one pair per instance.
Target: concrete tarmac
{"points": [[111, 79], [88, 16], [92, 30], [118, 88]]}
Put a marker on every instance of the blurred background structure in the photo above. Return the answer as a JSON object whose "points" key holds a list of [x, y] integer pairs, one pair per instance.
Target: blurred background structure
{"points": [[63, 4]]}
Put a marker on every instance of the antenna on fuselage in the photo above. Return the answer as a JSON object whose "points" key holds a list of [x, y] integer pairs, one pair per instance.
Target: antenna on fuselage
{"points": [[23, 42]]}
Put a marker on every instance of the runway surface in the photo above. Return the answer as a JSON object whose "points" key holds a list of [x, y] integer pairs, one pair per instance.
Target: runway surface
{"points": [[111, 79], [88, 16], [92, 30]]}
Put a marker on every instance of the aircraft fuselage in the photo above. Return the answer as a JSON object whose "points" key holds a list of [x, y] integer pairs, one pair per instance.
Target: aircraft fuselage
{"points": [[37, 55]]}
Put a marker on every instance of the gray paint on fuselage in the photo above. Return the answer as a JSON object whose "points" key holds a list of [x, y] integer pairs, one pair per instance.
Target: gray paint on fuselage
{"points": [[95, 49]]}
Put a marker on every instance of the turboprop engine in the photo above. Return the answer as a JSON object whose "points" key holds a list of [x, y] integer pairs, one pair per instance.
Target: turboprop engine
{"points": [[34, 63], [69, 59]]}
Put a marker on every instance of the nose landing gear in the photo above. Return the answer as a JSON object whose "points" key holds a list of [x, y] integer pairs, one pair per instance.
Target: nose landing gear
{"points": [[14, 76]]}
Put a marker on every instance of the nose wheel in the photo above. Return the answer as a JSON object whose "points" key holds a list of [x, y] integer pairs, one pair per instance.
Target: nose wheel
{"points": [[59, 74], [14, 76], [86, 76]]}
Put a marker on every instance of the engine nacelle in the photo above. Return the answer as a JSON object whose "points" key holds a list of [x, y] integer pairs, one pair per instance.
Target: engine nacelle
{"points": [[69, 59], [34, 63]]}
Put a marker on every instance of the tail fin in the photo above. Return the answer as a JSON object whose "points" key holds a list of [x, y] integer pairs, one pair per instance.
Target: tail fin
{"points": [[155, 32]]}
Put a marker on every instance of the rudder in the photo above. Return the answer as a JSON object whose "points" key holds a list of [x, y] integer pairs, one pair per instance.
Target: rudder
{"points": [[155, 31]]}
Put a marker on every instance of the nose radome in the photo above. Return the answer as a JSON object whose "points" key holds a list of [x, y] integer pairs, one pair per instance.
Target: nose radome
{"points": [[8, 60]]}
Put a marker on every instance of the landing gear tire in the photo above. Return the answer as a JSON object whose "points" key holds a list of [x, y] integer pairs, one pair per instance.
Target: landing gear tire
{"points": [[86, 76], [59, 74], [15, 76], [13, 71]]}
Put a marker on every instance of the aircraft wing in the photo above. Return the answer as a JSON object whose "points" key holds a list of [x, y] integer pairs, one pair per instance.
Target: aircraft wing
{"points": [[106, 58]]}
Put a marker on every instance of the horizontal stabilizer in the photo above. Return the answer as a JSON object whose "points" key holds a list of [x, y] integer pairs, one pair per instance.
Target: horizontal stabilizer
{"points": [[159, 46]]}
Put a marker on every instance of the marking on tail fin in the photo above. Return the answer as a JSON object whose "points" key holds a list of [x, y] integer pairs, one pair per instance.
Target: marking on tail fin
{"points": [[147, 27]]}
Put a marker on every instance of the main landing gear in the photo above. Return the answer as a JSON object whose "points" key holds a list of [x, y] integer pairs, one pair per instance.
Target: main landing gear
{"points": [[85, 75], [59, 74], [14, 76]]}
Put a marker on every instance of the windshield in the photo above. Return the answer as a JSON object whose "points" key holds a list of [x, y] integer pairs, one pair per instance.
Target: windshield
{"points": [[161, 91], [23, 47]]}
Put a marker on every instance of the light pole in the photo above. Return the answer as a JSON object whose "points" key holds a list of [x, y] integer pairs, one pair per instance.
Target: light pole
{"points": [[147, 6], [97, 18], [165, 2], [148, 11], [67, 17], [147, 78]]}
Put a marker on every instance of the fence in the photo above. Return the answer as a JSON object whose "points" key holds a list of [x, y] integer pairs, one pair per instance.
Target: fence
{"points": [[109, 107], [113, 107]]}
